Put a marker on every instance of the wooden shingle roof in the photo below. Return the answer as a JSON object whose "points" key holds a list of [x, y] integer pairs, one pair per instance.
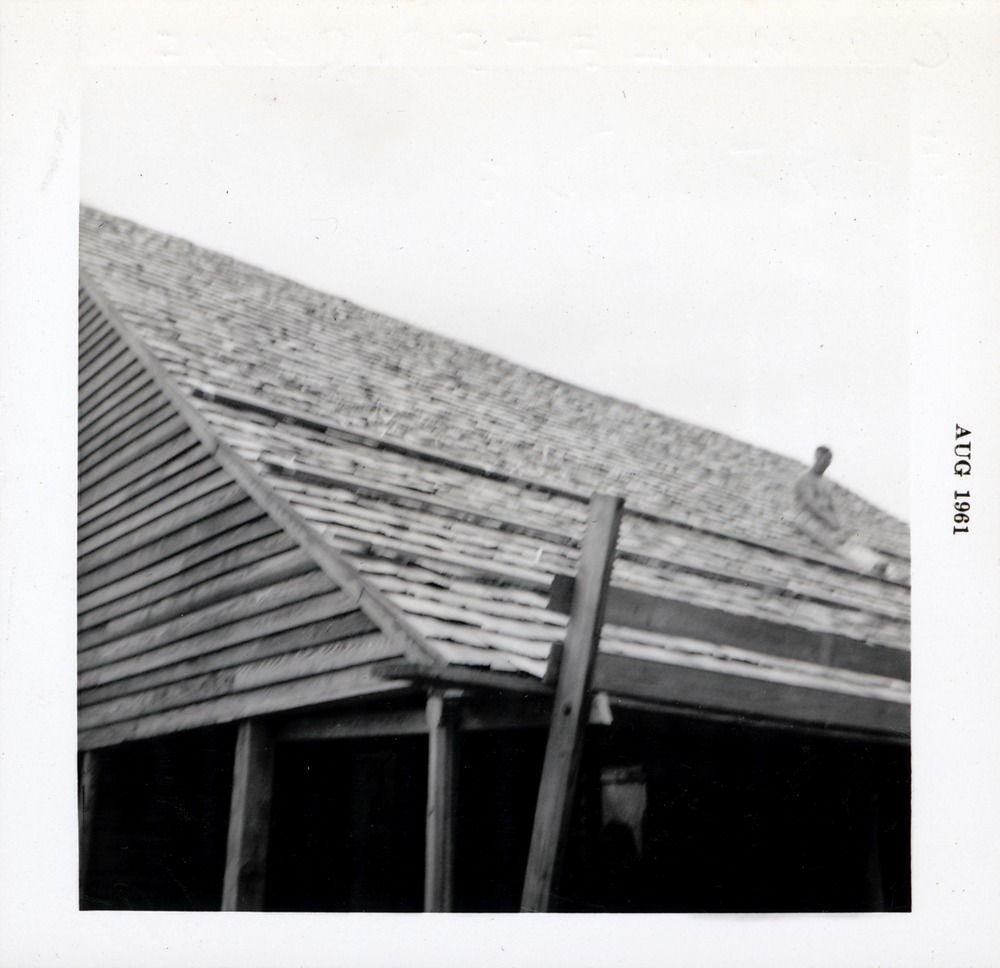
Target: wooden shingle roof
{"points": [[455, 483]]}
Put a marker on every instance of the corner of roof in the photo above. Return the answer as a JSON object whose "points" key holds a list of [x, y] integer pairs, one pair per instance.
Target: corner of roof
{"points": [[371, 600]]}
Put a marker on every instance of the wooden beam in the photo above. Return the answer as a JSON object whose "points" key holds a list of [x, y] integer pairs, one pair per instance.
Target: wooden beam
{"points": [[353, 725], [249, 818], [89, 777], [751, 697], [571, 704], [638, 610], [465, 677], [441, 792]]}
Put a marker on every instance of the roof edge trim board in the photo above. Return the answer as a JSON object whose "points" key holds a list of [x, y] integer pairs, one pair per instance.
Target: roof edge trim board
{"points": [[376, 606], [240, 401], [694, 692], [639, 610]]}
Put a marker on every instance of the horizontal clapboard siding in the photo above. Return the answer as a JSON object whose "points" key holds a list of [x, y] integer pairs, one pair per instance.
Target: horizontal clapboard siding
{"points": [[194, 607]]}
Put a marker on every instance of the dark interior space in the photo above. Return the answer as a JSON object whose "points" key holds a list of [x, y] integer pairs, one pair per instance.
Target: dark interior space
{"points": [[162, 811], [347, 826], [712, 817], [745, 818], [672, 814]]}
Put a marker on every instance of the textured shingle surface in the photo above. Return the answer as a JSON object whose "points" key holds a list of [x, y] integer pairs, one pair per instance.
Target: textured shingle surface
{"points": [[457, 481]]}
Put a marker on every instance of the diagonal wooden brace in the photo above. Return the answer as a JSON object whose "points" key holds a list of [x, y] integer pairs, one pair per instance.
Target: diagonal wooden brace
{"points": [[571, 706]]}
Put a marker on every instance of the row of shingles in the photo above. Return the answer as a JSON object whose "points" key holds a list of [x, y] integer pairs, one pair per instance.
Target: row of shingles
{"points": [[639, 536], [276, 302], [372, 361], [716, 509], [854, 624], [443, 538], [509, 629]]}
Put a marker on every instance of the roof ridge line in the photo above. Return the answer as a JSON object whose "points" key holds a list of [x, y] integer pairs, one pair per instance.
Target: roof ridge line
{"points": [[242, 401], [376, 605]]}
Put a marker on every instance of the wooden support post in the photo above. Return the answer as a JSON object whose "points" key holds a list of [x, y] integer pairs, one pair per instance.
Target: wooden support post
{"points": [[571, 704], [442, 723], [89, 777], [249, 818]]}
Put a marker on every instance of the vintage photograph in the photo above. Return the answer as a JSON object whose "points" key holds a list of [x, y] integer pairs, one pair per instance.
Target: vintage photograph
{"points": [[527, 492], [492, 487]]}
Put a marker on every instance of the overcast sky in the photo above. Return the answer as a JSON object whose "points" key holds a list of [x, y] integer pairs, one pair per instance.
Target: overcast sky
{"points": [[724, 244]]}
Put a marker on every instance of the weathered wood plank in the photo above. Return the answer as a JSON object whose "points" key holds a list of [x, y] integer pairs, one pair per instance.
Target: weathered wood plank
{"points": [[116, 439], [112, 583], [571, 704], [439, 851], [231, 515], [143, 507], [159, 456], [213, 580], [105, 384], [191, 463], [134, 449], [214, 590], [94, 342], [142, 524], [651, 613], [89, 781], [213, 685], [141, 414], [108, 363], [330, 687], [751, 697], [142, 396], [294, 615], [98, 408], [351, 631], [354, 724], [476, 713], [242, 608], [249, 818]]}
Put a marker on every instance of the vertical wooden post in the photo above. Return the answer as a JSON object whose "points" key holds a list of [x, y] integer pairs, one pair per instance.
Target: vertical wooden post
{"points": [[441, 783], [89, 778], [572, 701], [249, 818]]}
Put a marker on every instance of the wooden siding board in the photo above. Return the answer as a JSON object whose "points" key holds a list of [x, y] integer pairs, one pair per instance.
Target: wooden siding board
{"points": [[102, 384], [110, 442], [351, 625], [242, 610], [97, 408], [147, 523], [101, 503], [330, 687], [195, 533], [248, 677], [142, 507], [140, 396], [141, 446], [106, 585], [191, 587], [165, 451], [109, 363], [94, 341], [217, 500], [213, 592], [297, 614]]}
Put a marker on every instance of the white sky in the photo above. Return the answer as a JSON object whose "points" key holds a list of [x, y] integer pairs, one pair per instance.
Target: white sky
{"points": [[723, 244]]}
